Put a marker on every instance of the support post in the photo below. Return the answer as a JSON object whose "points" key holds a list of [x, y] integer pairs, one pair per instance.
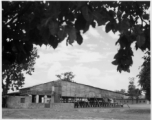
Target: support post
{"points": [[52, 98], [53, 94], [37, 98], [45, 98]]}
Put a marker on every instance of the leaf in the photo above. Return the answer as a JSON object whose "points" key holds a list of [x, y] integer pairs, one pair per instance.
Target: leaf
{"points": [[114, 26], [115, 62], [136, 46], [127, 61], [146, 16], [140, 40], [53, 27], [80, 23], [99, 18], [108, 27], [93, 24], [79, 38], [72, 35], [111, 13], [138, 30], [53, 41], [119, 69], [62, 33], [86, 27], [85, 12], [116, 56], [44, 32], [125, 25], [128, 70], [69, 16]]}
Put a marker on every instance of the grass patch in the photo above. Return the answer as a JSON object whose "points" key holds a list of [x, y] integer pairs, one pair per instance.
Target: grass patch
{"points": [[135, 112]]}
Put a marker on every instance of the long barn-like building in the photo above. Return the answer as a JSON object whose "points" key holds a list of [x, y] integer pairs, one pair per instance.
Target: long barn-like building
{"points": [[61, 91], [64, 90]]}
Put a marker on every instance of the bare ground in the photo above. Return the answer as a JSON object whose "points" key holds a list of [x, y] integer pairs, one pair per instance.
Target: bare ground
{"points": [[135, 112]]}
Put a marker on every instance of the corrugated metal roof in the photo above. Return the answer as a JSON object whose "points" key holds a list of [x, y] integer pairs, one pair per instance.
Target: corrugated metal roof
{"points": [[75, 83], [37, 85], [97, 87]]}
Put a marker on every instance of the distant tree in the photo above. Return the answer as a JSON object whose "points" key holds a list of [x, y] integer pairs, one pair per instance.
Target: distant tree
{"points": [[67, 76], [121, 91], [133, 92], [131, 88], [137, 94], [13, 76], [144, 76]]}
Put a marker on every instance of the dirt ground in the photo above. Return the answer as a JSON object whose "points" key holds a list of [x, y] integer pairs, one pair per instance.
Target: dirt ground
{"points": [[135, 112]]}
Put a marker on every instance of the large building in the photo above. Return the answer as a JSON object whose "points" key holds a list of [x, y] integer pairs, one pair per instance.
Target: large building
{"points": [[64, 91], [60, 92]]}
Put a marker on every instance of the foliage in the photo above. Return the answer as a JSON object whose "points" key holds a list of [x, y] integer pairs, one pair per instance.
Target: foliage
{"points": [[131, 88], [13, 77], [133, 92], [144, 76], [49, 23], [137, 93], [67, 76], [121, 91]]}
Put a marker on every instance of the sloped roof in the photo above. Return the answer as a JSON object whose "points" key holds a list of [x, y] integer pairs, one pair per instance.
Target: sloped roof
{"points": [[72, 82]]}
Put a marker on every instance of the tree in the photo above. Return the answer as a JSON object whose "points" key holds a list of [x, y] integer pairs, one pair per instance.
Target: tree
{"points": [[137, 94], [13, 76], [67, 76], [144, 76], [133, 92], [131, 88], [49, 23], [121, 91]]}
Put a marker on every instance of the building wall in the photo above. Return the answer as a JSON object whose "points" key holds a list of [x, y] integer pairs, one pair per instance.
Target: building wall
{"points": [[36, 105], [15, 101]]}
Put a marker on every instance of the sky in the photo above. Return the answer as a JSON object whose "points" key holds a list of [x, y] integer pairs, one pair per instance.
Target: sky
{"points": [[90, 62]]}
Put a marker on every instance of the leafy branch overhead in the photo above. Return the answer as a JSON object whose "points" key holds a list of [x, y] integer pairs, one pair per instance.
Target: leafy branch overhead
{"points": [[49, 23], [13, 76]]}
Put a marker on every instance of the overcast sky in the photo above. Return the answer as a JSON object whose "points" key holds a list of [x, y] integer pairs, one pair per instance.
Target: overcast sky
{"points": [[90, 62]]}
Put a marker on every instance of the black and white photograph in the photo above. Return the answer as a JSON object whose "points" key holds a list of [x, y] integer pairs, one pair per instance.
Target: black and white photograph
{"points": [[76, 60]]}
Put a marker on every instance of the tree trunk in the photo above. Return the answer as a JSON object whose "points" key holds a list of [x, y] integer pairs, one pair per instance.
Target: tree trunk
{"points": [[5, 91], [4, 97]]}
